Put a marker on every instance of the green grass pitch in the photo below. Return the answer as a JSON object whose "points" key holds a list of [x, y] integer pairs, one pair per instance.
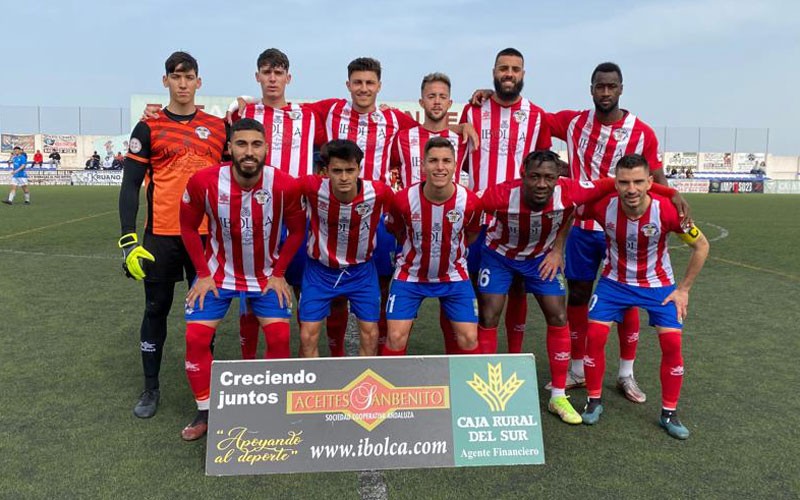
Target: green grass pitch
{"points": [[70, 373]]}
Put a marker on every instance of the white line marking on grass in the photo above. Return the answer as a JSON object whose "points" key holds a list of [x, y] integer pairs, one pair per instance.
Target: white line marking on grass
{"points": [[723, 233], [42, 228], [67, 255]]}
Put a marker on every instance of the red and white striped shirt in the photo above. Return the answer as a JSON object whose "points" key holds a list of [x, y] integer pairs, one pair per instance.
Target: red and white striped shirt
{"points": [[290, 134], [433, 235], [516, 232], [343, 234], [373, 132], [243, 248], [594, 149], [507, 135], [636, 250], [408, 152]]}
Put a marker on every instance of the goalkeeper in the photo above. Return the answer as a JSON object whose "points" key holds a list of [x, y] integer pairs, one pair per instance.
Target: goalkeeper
{"points": [[164, 152]]}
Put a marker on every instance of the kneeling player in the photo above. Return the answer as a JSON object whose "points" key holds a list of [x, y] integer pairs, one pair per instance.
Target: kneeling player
{"points": [[638, 273], [247, 206], [343, 212], [434, 221]]}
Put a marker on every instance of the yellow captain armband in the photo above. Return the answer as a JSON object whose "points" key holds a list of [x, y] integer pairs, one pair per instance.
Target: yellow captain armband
{"points": [[691, 235]]}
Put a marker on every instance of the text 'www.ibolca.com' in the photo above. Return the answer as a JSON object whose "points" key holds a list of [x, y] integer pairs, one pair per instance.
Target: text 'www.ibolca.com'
{"points": [[386, 448]]}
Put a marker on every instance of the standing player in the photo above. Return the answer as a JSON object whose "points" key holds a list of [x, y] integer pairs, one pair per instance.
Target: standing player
{"points": [[407, 153], [509, 127], [344, 212], [637, 273], [19, 176], [164, 152], [434, 221], [528, 215], [247, 206], [596, 140]]}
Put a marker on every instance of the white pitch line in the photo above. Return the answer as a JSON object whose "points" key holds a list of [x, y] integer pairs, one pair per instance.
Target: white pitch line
{"points": [[42, 228], [66, 255]]}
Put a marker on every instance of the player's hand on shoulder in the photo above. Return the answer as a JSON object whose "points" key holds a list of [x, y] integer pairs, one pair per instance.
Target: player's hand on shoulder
{"points": [[480, 96], [151, 112], [684, 210], [133, 254]]}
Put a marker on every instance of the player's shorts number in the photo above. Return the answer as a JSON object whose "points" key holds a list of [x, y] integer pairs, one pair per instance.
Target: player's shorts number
{"points": [[485, 277], [593, 301], [390, 303]]}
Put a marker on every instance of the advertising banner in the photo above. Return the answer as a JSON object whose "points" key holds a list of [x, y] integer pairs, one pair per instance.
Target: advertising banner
{"points": [[736, 186], [745, 162], [680, 160], [690, 185], [9, 141], [96, 178], [62, 144], [348, 414], [715, 162]]}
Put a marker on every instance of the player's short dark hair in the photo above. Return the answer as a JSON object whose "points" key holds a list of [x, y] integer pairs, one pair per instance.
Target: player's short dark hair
{"points": [[181, 61], [342, 149], [246, 124], [17, 147], [273, 58], [536, 158], [510, 51], [632, 161], [434, 77], [607, 67], [438, 142], [364, 64]]}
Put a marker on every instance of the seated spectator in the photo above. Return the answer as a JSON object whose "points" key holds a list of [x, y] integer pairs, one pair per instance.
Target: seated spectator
{"points": [[38, 159], [93, 163], [673, 173], [690, 173], [55, 157]]}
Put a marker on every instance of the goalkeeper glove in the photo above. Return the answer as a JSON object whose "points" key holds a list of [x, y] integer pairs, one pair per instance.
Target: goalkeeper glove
{"points": [[133, 254]]}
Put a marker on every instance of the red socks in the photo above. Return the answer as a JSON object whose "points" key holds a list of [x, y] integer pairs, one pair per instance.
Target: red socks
{"points": [[629, 334], [487, 339], [516, 314], [594, 363], [198, 359], [577, 318], [248, 335], [336, 327], [385, 351], [558, 353], [450, 342], [277, 335], [671, 368]]}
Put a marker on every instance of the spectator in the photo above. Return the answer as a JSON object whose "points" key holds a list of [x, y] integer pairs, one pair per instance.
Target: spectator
{"points": [[673, 173], [117, 163], [38, 159], [690, 173], [93, 163], [55, 157]]}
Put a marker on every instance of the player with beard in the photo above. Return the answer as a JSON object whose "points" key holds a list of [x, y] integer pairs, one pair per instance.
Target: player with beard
{"points": [[637, 273], [509, 128], [408, 154], [247, 205], [596, 140]]}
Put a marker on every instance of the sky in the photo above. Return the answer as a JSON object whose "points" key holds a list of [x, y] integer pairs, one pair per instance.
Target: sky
{"points": [[700, 63]]}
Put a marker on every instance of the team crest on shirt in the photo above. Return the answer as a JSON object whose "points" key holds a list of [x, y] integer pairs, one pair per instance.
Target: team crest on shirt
{"points": [[376, 116], [363, 209], [202, 132], [520, 116], [650, 230], [295, 115], [224, 199], [261, 196], [454, 216], [551, 215], [620, 134], [135, 145], [186, 198]]}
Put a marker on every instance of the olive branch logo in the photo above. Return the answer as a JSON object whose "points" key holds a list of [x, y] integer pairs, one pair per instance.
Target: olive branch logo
{"points": [[496, 393]]}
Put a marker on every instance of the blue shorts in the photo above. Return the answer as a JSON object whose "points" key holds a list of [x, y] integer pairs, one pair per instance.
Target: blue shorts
{"points": [[294, 273], [497, 272], [474, 253], [264, 306], [322, 284], [457, 299], [584, 253], [611, 299], [385, 250]]}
